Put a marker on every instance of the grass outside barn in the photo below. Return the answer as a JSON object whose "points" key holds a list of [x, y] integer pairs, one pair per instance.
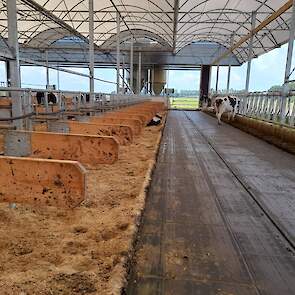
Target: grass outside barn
{"points": [[189, 103]]}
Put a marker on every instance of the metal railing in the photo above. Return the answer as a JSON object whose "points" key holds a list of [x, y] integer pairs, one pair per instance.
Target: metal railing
{"points": [[66, 101], [273, 106]]}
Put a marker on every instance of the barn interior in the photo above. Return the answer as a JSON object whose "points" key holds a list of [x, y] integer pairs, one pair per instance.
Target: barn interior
{"points": [[116, 193]]}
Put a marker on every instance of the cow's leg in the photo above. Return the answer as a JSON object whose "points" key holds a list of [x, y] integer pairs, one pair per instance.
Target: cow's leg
{"points": [[229, 114], [218, 115], [234, 113]]}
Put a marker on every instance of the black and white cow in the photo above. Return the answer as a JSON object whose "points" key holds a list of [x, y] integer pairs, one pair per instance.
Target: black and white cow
{"points": [[50, 97], [208, 101], [226, 104]]}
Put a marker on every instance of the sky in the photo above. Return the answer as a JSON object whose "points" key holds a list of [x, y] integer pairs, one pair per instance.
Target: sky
{"points": [[267, 70]]}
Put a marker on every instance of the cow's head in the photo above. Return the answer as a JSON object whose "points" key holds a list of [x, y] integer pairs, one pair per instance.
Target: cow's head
{"points": [[218, 102]]}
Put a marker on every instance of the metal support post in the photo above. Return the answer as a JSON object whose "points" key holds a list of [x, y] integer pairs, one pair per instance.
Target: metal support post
{"points": [[14, 66], [288, 66], [91, 52], [123, 73], [47, 70], [58, 82], [30, 110], [152, 79], [59, 101], [7, 68], [229, 66], [149, 81], [118, 53], [250, 51], [228, 79], [204, 82], [131, 64], [250, 55], [139, 74], [47, 83], [217, 78]]}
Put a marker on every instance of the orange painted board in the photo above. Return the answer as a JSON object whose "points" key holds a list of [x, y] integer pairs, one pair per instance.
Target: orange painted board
{"points": [[40, 127], [42, 182], [42, 109], [147, 109], [133, 123], [89, 150], [122, 115], [148, 114], [5, 102], [122, 133], [157, 106]]}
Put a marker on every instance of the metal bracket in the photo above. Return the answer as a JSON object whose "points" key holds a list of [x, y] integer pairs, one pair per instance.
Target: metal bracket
{"points": [[59, 127], [17, 144]]}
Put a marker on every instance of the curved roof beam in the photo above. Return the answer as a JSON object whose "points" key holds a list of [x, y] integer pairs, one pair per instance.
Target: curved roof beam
{"points": [[147, 28], [175, 24], [125, 35], [193, 19], [47, 37], [211, 32], [241, 25], [262, 3], [262, 24], [142, 9], [54, 18]]}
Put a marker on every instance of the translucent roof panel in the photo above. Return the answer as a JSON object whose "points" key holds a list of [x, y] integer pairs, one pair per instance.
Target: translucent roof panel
{"points": [[176, 23]]}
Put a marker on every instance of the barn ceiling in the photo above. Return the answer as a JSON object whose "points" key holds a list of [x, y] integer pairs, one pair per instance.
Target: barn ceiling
{"points": [[171, 24]]}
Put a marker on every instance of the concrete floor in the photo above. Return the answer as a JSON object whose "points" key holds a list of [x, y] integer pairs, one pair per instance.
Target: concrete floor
{"points": [[202, 231]]}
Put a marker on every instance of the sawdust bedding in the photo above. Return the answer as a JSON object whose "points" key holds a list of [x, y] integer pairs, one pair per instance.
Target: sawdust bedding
{"points": [[1, 143], [82, 251]]}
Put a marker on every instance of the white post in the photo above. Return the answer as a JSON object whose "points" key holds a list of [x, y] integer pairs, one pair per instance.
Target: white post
{"points": [[244, 106], [58, 82], [91, 52], [152, 79], [131, 64], [47, 70], [123, 73], [139, 73], [250, 51], [118, 53], [149, 81], [288, 66], [229, 66], [14, 66]]}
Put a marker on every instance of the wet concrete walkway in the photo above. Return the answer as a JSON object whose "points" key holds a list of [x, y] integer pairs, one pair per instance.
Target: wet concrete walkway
{"points": [[202, 232]]}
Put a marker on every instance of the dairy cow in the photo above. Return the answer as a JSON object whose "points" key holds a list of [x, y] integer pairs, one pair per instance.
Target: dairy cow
{"points": [[208, 101], [41, 97], [226, 104]]}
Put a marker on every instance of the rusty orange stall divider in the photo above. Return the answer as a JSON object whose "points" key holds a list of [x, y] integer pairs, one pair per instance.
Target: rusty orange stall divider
{"points": [[123, 134], [122, 115], [140, 108], [42, 182], [148, 114], [134, 124], [88, 150], [156, 105]]}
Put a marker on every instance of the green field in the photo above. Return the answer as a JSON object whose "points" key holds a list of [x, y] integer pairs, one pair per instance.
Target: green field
{"points": [[184, 102]]}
